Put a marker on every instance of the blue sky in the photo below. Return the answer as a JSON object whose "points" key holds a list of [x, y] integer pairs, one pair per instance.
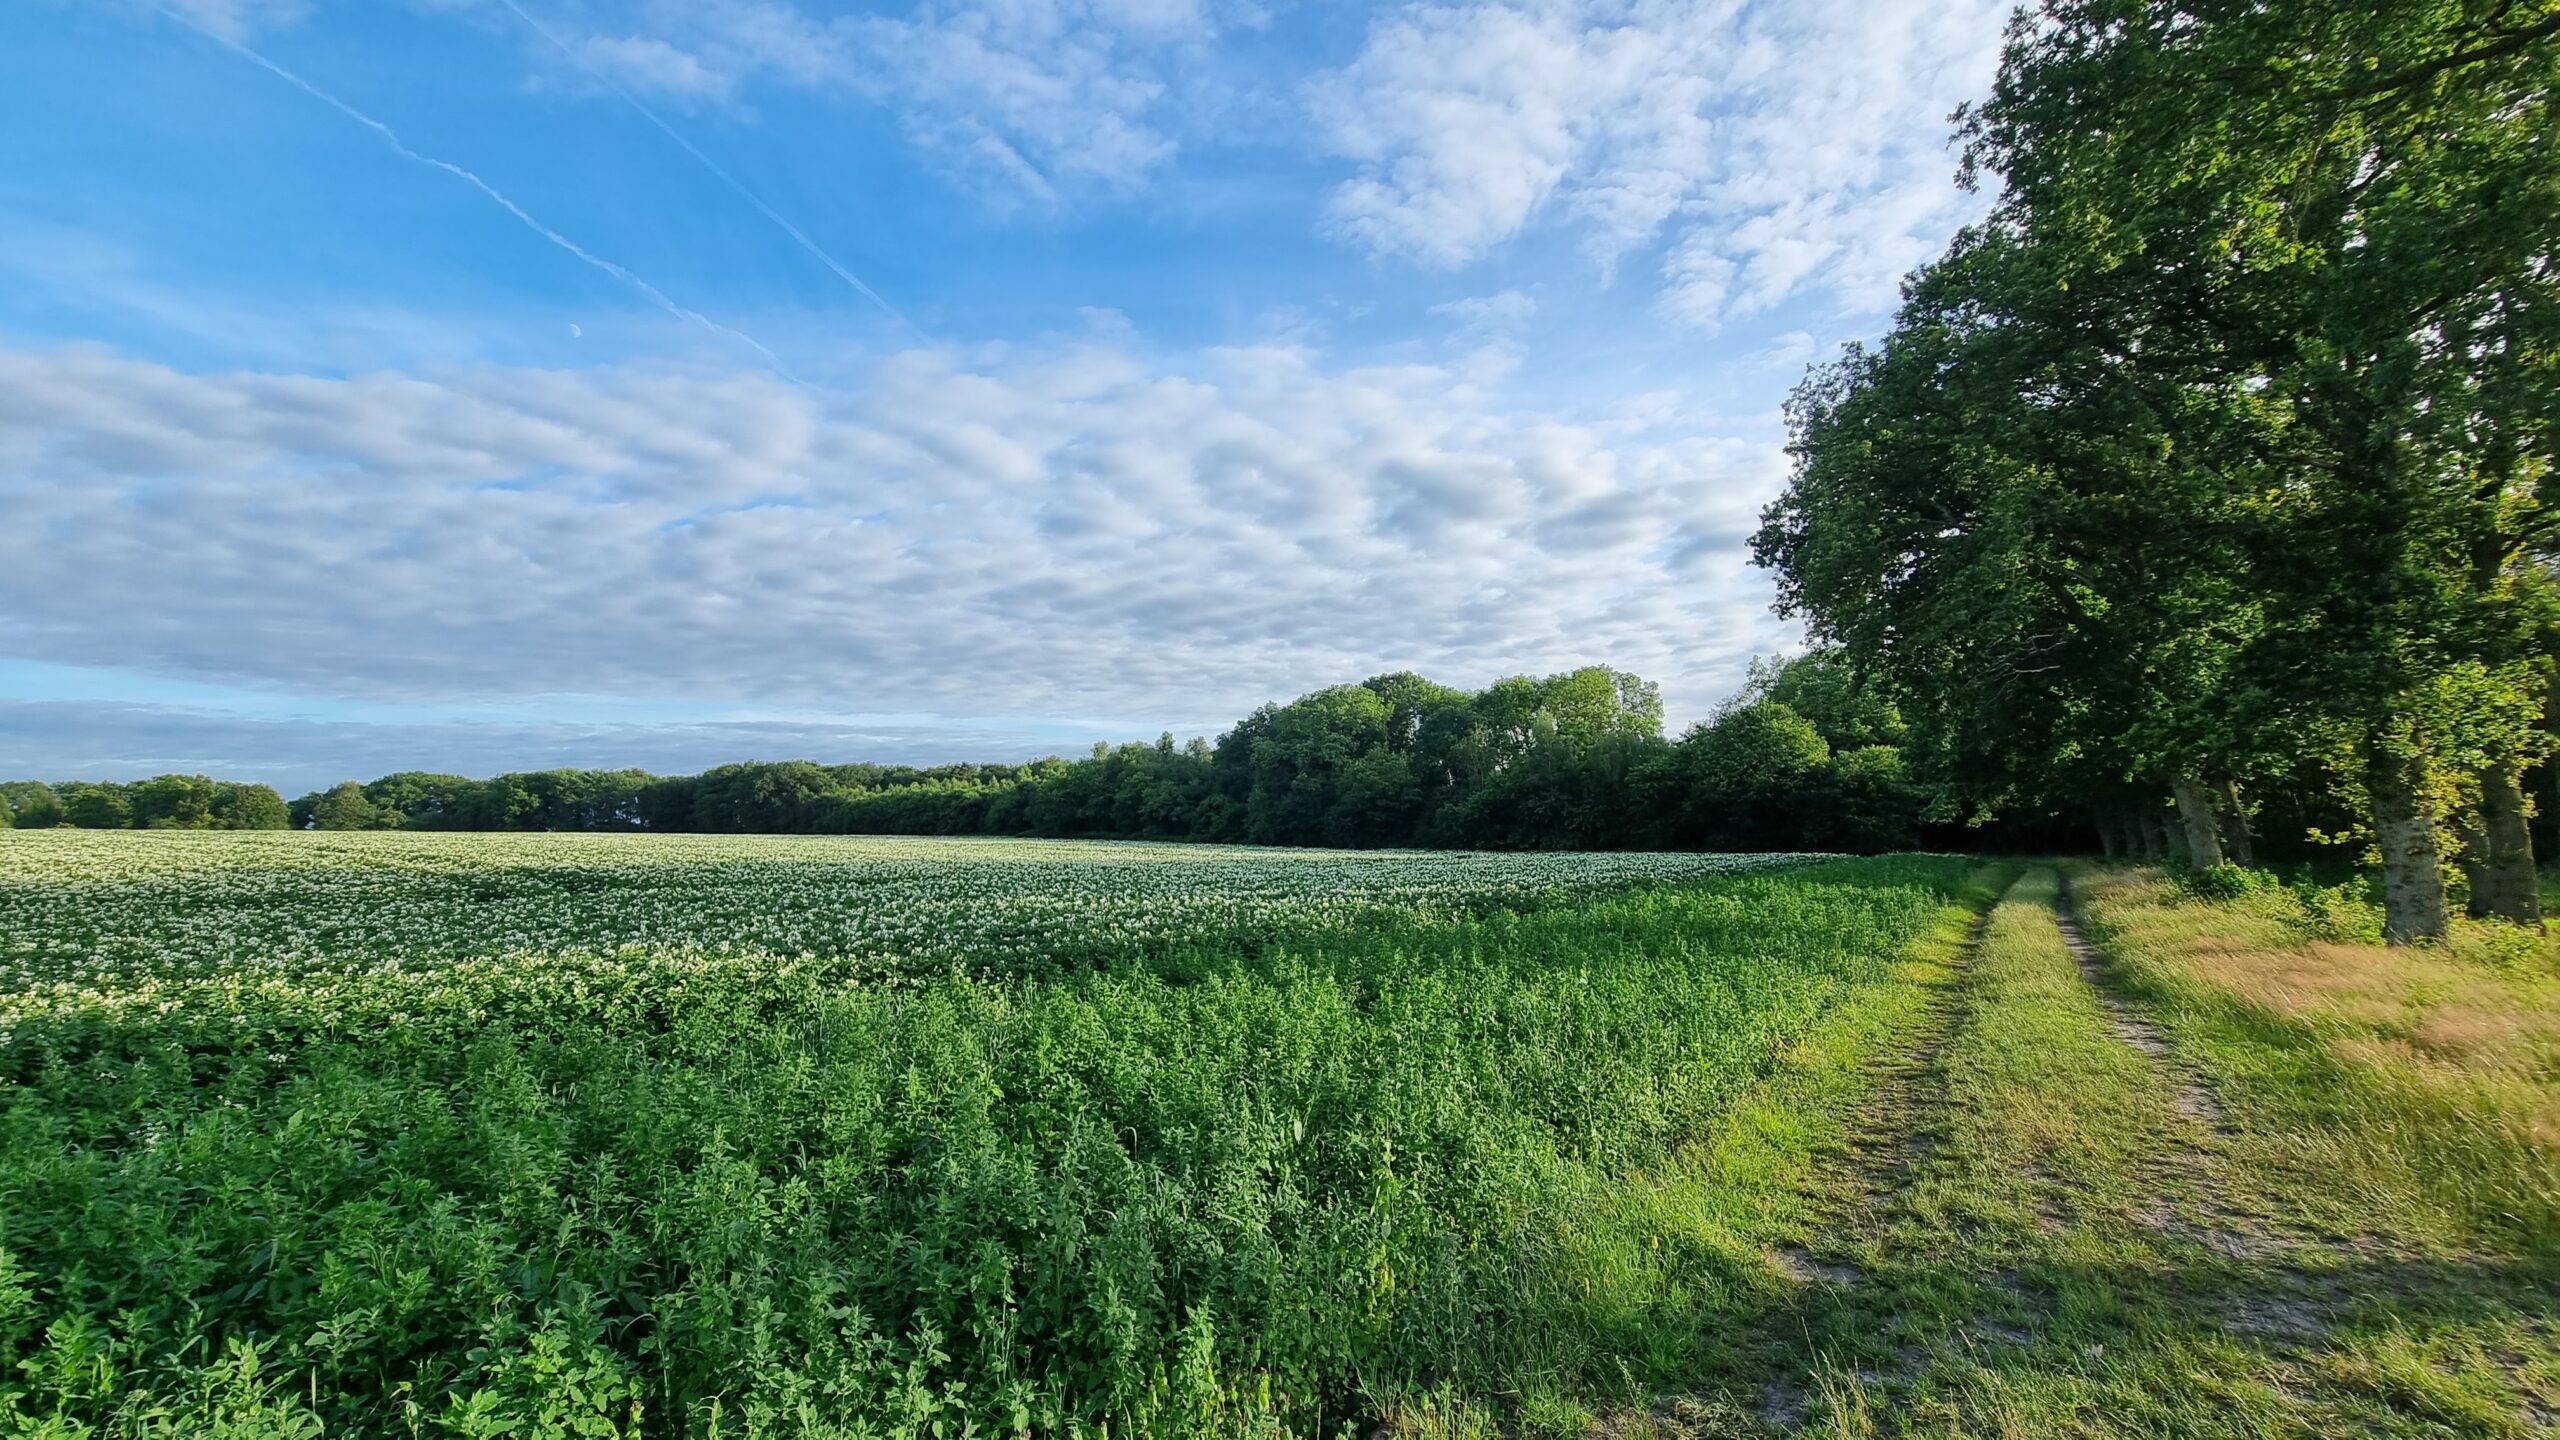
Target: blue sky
{"points": [[476, 384]]}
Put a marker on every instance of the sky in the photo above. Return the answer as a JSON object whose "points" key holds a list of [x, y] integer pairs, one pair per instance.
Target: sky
{"points": [[478, 385]]}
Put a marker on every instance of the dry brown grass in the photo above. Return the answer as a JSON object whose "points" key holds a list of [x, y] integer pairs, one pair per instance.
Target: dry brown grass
{"points": [[2446, 1008], [2460, 1048]]}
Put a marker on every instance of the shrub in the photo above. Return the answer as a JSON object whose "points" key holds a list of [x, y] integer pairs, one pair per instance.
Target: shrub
{"points": [[2225, 881], [2345, 911]]}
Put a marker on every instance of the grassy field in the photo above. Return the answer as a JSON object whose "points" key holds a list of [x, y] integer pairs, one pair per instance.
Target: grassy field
{"points": [[483, 1135]]}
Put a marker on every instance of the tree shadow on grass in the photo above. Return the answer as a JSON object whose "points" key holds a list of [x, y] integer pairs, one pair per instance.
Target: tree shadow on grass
{"points": [[2147, 1340]]}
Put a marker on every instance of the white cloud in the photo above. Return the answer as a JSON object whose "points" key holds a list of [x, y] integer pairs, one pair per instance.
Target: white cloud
{"points": [[1075, 531], [688, 49], [1034, 90], [1022, 97], [1783, 148], [1790, 352], [1463, 121], [1489, 315], [646, 63]]}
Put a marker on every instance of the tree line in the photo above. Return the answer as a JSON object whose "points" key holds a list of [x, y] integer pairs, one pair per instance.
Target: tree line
{"points": [[1805, 758], [2210, 471], [163, 802]]}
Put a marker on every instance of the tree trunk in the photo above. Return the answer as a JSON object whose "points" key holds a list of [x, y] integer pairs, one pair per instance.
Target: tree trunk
{"points": [[2513, 888], [2107, 834], [2412, 856], [2164, 840], [2195, 815], [2244, 842], [2471, 857]]}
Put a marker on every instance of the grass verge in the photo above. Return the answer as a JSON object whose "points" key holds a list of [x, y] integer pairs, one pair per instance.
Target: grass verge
{"points": [[2411, 1096], [2103, 1205]]}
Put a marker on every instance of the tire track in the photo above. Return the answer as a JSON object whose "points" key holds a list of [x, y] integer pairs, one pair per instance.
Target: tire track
{"points": [[1900, 1127], [2192, 1096], [1900, 1124], [2209, 1217]]}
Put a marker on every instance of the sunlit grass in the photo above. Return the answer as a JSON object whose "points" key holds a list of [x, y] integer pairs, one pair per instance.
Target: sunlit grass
{"points": [[2425, 1081], [2068, 1236]]}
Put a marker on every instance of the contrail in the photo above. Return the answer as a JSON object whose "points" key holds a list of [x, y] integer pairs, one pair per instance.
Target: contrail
{"points": [[732, 181], [392, 138]]}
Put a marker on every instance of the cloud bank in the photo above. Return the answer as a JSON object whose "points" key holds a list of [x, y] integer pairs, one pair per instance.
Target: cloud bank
{"points": [[1024, 536]]}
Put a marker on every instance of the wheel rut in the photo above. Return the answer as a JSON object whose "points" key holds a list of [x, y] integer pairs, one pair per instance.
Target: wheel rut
{"points": [[2197, 1206], [1898, 1205], [2193, 1098], [1900, 1125], [2036, 1171]]}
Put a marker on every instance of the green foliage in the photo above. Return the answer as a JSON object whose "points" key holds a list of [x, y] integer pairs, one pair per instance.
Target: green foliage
{"points": [[1820, 685], [885, 1138], [171, 802], [344, 806], [237, 806], [2343, 911], [2510, 949], [94, 806], [429, 801], [2222, 882], [1761, 774], [1574, 761], [164, 802], [1760, 748], [1864, 802], [35, 805], [2218, 449]]}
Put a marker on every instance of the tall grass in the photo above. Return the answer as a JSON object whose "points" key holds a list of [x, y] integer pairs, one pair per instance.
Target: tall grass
{"points": [[2414, 1088]]}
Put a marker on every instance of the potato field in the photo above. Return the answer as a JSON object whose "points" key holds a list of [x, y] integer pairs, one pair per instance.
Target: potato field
{"points": [[411, 1134]]}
